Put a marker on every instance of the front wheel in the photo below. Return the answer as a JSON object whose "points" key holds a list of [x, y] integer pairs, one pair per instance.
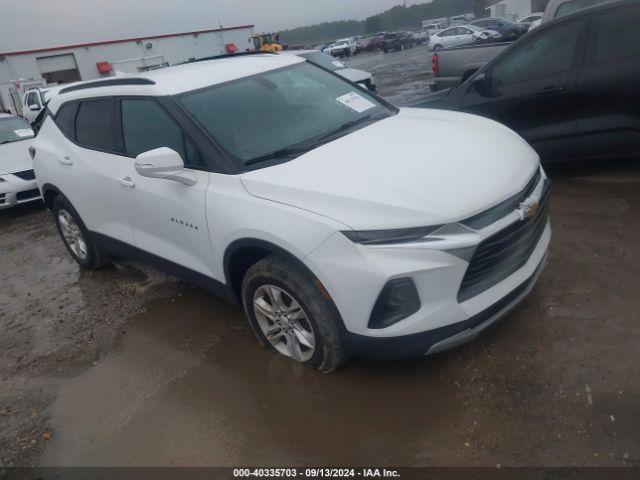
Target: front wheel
{"points": [[437, 47], [290, 315]]}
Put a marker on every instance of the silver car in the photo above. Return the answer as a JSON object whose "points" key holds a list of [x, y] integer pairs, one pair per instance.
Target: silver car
{"points": [[17, 180]]}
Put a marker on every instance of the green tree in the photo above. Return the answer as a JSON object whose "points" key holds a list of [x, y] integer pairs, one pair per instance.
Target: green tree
{"points": [[373, 25]]}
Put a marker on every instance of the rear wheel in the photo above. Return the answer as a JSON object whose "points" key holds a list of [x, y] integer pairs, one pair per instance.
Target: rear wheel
{"points": [[289, 314], [76, 237]]}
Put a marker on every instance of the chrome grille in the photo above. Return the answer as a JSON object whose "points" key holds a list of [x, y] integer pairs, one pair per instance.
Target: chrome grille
{"points": [[502, 254]]}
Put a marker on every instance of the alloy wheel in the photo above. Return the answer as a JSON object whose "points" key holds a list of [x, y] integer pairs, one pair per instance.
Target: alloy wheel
{"points": [[284, 323], [72, 234]]}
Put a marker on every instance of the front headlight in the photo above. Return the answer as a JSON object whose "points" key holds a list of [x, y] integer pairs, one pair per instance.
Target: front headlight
{"points": [[382, 237]]}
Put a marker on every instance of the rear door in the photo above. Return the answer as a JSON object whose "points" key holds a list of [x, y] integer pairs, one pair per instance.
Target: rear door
{"points": [[609, 85], [532, 89], [169, 219], [447, 38], [89, 164]]}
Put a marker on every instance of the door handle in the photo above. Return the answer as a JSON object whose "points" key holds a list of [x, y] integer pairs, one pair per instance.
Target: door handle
{"points": [[127, 182], [65, 161], [550, 89]]}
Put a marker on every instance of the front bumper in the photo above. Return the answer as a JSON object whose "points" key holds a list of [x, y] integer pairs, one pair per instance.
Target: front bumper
{"points": [[15, 191], [355, 274], [443, 338]]}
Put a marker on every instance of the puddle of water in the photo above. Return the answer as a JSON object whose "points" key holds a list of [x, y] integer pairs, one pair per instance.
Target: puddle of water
{"points": [[190, 385]]}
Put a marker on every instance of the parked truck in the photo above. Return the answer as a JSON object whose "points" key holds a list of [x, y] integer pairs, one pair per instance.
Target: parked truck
{"points": [[452, 66]]}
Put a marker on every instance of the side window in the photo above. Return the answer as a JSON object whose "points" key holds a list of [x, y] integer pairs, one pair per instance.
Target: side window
{"points": [[549, 53], [574, 5], [618, 34], [65, 119], [146, 126], [96, 125], [32, 99]]}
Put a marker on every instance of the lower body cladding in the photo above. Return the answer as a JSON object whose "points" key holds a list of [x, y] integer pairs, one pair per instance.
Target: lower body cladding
{"points": [[15, 191], [443, 318]]}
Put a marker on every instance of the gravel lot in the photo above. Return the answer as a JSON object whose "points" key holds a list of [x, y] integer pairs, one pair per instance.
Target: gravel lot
{"points": [[127, 366]]}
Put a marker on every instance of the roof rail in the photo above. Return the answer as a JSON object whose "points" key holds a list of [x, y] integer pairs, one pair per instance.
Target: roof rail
{"points": [[228, 55], [108, 83]]}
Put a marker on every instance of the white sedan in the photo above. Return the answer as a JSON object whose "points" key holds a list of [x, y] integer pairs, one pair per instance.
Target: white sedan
{"points": [[17, 180], [462, 35]]}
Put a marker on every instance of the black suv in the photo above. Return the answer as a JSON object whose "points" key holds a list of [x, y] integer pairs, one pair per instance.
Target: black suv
{"points": [[569, 87], [397, 41]]}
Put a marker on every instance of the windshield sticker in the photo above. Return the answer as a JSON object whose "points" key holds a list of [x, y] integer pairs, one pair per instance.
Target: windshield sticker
{"points": [[338, 64], [356, 102], [24, 132]]}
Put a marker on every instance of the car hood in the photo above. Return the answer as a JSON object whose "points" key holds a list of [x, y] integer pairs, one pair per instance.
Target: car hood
{"points": [[14, 157], [354, 74], [418, 168]]}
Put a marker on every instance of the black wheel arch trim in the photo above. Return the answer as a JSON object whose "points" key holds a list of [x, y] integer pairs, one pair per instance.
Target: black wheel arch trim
{"points": [[239, 244], [47, 188]]}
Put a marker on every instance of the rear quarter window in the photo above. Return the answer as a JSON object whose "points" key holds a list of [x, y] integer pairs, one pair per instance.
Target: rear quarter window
{"points": [[65, 119], [96, 125]]}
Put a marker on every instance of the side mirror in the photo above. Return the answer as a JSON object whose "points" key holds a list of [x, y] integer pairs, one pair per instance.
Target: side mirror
{"points": [[164, 163], [482, 84], [34, 107]]}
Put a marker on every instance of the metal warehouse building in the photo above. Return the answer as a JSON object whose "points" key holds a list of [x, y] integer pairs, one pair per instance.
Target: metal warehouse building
{"points": [[21, 70]]}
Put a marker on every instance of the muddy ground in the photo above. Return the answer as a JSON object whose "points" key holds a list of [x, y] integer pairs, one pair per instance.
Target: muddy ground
{"points": [[126, 366]]}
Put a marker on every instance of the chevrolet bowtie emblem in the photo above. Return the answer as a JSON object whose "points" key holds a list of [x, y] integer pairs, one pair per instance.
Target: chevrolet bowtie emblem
{"points": [[529, 208]]}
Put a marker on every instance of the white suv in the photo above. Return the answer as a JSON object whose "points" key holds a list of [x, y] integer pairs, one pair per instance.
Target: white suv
{"points": [[302, 197]]}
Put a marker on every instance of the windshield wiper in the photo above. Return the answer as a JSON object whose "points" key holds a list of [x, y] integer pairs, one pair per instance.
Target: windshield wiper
{"points": [[345, 127], [281, 153], [292, 151]]}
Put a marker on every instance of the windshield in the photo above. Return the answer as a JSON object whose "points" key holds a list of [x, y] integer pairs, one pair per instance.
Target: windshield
{"points": [[323, 60], [295, 107], [14, 129]]}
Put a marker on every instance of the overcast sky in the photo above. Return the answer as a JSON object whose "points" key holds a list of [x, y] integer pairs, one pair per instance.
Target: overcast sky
{"points": [[28, 24]]}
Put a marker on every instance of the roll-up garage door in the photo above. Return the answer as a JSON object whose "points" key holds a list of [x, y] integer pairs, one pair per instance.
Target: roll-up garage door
{"points": [[57, 63]]}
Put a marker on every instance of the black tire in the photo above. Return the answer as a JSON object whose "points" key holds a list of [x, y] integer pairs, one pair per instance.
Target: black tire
{"points": [[437, 47], [276, 270], [95, 258], [512, 34], [385, 50]]}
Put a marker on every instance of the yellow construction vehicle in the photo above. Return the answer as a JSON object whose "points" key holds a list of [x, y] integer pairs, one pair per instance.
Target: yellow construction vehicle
{"points": [[267, 42]]}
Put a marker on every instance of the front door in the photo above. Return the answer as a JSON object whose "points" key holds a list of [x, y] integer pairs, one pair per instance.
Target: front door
{"points": [[532, 90], [168, 218], [609, 119]]}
